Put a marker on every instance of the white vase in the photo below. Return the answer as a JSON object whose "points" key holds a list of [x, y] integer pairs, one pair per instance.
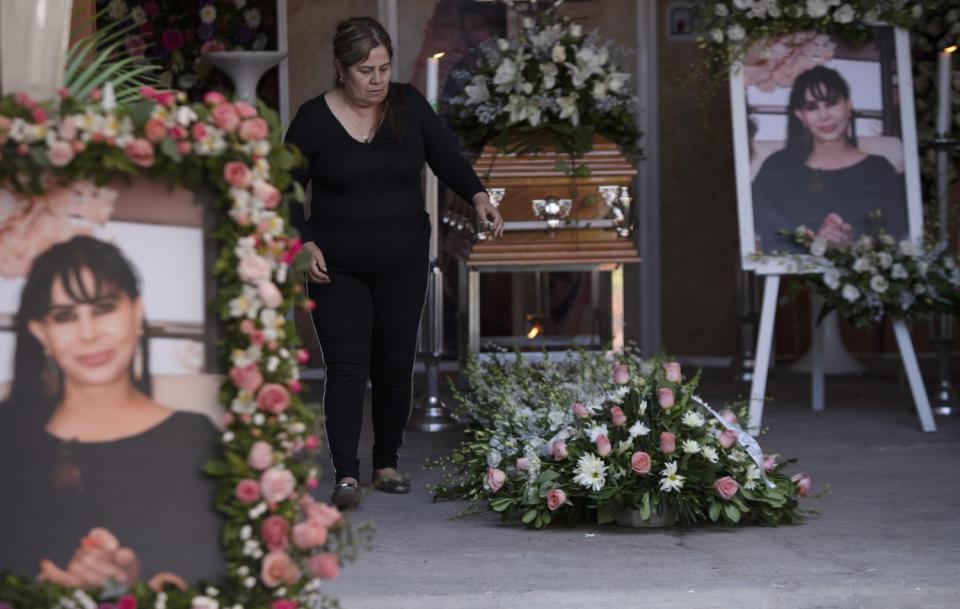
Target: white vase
{"points": [[245, 68], [34, 37]]}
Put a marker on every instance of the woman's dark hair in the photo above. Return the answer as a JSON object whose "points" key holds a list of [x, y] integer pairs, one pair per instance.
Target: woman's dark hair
{"points": [[822, 83], [352, 43], [112, 274]]}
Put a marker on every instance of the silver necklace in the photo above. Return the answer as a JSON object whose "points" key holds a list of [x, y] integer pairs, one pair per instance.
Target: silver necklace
{"points": [[364, 136]]}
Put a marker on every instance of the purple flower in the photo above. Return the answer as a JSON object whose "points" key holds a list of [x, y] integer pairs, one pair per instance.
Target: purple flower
{"points": [[244, 35], [205, 31]]}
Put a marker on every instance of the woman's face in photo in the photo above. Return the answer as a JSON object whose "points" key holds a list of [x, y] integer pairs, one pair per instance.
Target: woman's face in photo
{"points": [[92, 343], [369, 80], [825, 119]]}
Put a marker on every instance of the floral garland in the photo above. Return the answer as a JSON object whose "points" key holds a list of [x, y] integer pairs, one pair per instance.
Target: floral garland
{"points": [[274, 533], [593, 438], [549, 85]]}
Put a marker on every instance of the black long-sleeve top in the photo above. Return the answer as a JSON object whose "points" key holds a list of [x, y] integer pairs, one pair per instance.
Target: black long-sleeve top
{"points": [[367, 208]]}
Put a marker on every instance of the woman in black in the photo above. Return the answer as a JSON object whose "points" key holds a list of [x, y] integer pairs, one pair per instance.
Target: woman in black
{"points": [[365, 142], [821, 180]]}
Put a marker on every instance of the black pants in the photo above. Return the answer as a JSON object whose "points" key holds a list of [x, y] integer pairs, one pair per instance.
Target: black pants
{"points": [[367, 325]]}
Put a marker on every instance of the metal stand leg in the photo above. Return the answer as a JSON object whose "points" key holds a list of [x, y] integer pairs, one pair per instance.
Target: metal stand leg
{"points": [[913, 375], [764, 348], [944, 394], [816, 354], [473, 311], [432, 413]]}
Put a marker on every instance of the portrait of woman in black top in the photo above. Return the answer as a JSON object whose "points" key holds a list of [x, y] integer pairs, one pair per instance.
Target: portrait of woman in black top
{"points": [[98, 481], [821, 179], [365, 142]]}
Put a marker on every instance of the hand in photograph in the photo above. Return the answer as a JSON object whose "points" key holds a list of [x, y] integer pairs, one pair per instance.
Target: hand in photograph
{"points": [[99, 558], [835, 231]]}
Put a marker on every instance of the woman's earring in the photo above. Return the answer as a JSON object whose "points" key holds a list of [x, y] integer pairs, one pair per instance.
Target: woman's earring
{"points": [[50, 376], [138, 363], [340, 78]]}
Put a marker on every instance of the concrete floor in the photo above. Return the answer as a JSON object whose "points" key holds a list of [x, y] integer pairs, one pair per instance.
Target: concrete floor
{"points": [[887, 534]]}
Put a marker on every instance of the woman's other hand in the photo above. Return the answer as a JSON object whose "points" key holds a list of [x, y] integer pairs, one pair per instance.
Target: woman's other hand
{"points": [[317, 269], [98, 559], [835, 231], [488, 211]]}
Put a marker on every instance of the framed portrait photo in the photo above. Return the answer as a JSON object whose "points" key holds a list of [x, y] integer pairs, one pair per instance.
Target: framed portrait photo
{"points": [[824, 142]]}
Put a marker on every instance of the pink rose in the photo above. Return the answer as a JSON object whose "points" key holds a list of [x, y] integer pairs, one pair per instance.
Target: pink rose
{"points": [[672, 370], [324, 566], [260, 456], [294, 386], [276, 484], [277, 568], [555, 498], [213, 98], [273, 398], [275, 533], [266, 193], [303, 356], [558, 450], [253, 129], [523, 463], [668, 442], [140, 152], [247, 491], [285, 603], [225, 117], [495, 479], [309, 534], [603, 446], [323, 514], [640, 462], [269, 294], [617, 417], [247, 378], [803, 482], [155, 130], [727, 438], [236, 174], [245, 110], [580, 411], [247, 326], [60, 154], [312, 442], [127, 601], [665, 398], [728, 416], [212, 46], [254, 269], [726, 487], [39, 115], [769, 463], [184, 148], [198, 131], [621, 374]]}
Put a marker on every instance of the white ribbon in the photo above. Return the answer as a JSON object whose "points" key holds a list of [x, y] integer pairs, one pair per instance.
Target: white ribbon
{"points": [[748, 442]]}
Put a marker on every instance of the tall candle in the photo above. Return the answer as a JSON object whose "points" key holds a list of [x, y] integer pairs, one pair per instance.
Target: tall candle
{"points": [[944, 90], [433, 79], [431, 184]]}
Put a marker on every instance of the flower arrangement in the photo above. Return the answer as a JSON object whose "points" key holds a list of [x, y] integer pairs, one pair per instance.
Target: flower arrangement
{"points": [[278, 542], [591, 438], [875, 277], [552, 84], [176, 37]]}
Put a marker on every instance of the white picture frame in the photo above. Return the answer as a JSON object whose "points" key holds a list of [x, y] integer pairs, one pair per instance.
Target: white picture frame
{"points": [[745, 166]]}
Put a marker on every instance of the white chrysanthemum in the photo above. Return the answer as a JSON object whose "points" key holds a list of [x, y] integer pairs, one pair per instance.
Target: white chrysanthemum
{"points": [[693, 419], [738, 455], [670, 480], [690, 447], [850, 293], [736, 33], [844, 14], [717, 35], [208, 14], [638, 429], [863, 265], [831, 279], [899, 271], [879, 284], [252, 18], [596, 431], [710, 454], [753, 475], [721, 10], [884, 259], [590, 472]]}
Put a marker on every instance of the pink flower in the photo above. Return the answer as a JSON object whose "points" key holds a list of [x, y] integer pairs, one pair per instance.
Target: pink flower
{"points": [[769, 463], [495, 479], [269, 294], [273, 398], [558, 450], [285, 603], [260, 456], [324, 566], [245, 110], [266, 193], [24, 100], [640, 462], [727, 438], [275, 532], [523, 463], [225, 117], [213, 98], [303, 356], [277, 569], [60, 154], [247, 378], [39, 115], [320, 513], [135, 46], [127, 601], [253, 269], [603, 446], [293, 248], [665, 398], [237, 174], [253, 129], [152, 8], [726, 487], [184, 148], [198, 130], [668, 442], [555, 498], [212, 46], [155, 130], [617, 417], [247, 326], [803, 482], [580, 411], [140, 152], [247, 491], [728, 416], [171, 40], [621, 374], [672, 370], [276, 484], [294, 386], [309, 534], [312, 442]]}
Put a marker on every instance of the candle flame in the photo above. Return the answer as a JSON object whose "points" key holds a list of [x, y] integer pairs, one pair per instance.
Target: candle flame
{"points": [[950, 49], [439, 55], [534, 331]]}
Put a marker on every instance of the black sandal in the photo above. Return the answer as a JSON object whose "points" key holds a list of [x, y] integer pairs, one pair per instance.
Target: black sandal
{"points": [[394, 486], [346, 496]]}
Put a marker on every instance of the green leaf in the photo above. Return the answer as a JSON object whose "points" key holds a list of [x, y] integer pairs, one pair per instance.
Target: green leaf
{"points": [[645, 510], [529, 516], [501, 504], [608, 512], [715, 508], [731, 512]]}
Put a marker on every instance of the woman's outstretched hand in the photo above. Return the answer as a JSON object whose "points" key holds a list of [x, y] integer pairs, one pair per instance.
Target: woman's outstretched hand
{"points": [[488, 211], [317, 269]]}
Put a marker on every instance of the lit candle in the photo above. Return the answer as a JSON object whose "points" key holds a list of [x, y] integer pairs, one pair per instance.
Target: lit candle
{"points": [[944, 90], [433, 79]]}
